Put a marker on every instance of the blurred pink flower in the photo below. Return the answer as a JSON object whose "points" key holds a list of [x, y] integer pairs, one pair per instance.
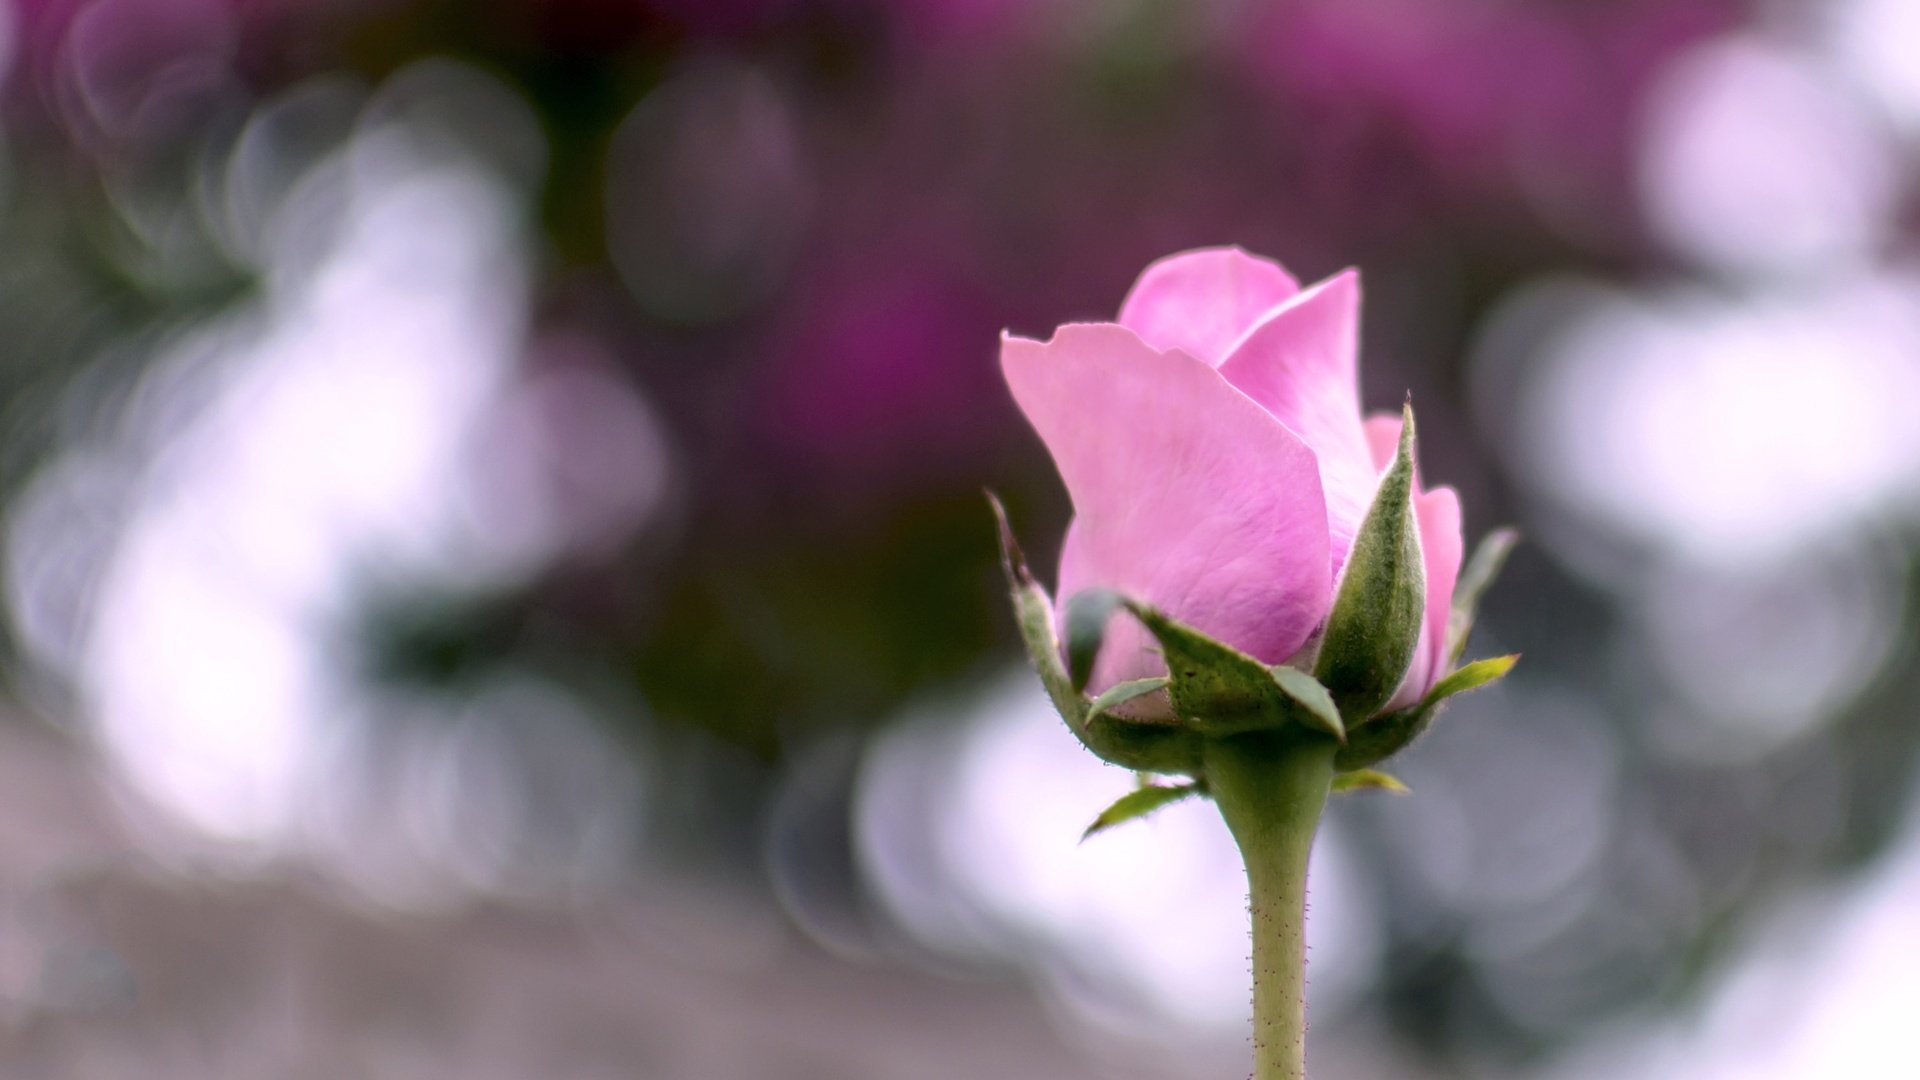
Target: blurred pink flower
{"points": [[1474, 95], [868, 380], [1213, 446]]}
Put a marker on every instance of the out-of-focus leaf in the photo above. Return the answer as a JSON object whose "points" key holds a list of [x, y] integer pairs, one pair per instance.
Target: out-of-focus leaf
{"points": [[1360, 779], [1140, 802], [1485, 565]]}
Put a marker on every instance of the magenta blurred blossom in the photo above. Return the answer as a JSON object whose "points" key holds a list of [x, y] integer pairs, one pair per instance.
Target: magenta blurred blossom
{"points": [[115, 75], [588, 24], [877, 374], [1219, 466], [1478, 89]]}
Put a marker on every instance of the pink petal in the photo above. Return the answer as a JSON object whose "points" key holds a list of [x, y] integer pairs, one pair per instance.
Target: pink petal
{"points": [[1383, 441], [1383, 438], [1202, 301], [1441, 546], [1186, 493], [1302, 362]]}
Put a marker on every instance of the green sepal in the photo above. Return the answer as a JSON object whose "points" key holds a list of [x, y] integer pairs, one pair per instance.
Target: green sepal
{"points": [[1033, 611], [1317, 708], [1162, 747], [1141, 745], [1488, 559], [1387, 735], [1360, 779], [1086, 616], [1120, 693], [1471, 677], [1140, 802], [1375, 622], [1382, 737], [1221, 691]]}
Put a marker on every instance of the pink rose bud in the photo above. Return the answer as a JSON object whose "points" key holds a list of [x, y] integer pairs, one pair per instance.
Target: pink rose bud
{"points": [[1222, 476]]}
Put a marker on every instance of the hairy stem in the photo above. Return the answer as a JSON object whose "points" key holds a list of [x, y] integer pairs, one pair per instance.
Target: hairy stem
{"points": [[1271, 789]]}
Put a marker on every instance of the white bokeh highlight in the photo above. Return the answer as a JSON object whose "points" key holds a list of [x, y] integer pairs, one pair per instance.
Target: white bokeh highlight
{"points": [[1758, 159], [200, 567], [1726, 428], [968, 828], [1825, 988], [1872, 41]]}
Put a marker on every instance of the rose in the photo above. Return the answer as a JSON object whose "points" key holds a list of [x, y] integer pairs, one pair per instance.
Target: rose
{"points": [[1213, 446], [1274, 545]]}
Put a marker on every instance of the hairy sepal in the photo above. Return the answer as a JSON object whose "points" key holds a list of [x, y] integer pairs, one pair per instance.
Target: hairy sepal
{"points": [[1374, 626], [1387, 735], [1220, 691], [1144, 746]]}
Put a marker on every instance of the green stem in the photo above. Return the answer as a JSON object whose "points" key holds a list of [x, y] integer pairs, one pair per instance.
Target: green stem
{"points": [[1271, 789]]}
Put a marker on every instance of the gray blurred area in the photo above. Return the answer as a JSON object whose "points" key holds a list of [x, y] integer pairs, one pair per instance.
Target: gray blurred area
{"points": [[118, 966]]}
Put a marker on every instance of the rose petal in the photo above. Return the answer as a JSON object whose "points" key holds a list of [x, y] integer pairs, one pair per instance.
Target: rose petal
{"points": [[1383, 439], [1203, 301], [1186, 493], [1441, 546], [1302, 363]]}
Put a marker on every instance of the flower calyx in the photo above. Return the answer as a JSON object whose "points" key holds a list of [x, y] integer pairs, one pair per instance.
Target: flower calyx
{"points": [[1161, 724]]}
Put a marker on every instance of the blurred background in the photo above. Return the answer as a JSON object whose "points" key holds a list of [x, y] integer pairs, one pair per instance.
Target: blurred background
{"points": [[496, 582]]}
